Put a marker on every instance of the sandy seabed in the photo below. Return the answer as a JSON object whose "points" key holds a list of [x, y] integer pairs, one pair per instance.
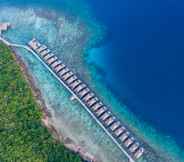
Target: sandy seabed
{"points": [[68, 37]]}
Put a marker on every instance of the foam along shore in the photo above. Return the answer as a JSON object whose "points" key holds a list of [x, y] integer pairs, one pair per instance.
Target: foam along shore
{"points": [[89, 100]]}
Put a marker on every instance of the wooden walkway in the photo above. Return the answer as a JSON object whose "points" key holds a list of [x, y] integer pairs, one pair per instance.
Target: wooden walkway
{"points": [[114, 128]]}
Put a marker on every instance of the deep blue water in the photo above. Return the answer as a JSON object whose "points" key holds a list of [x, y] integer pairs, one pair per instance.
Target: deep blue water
{"points": [[144, 63]]}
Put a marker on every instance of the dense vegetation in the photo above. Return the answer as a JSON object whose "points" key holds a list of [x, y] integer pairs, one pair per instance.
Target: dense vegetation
{"points": [[22, 136]]}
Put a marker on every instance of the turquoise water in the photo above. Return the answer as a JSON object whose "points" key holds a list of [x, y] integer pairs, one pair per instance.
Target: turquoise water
{"points": [[70, 37]]}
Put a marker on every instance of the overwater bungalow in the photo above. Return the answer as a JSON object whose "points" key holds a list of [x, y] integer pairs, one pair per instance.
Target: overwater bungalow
{"points": [[34, 44], [92, 101], [52, 60], [115, 125], [88, 97], [101, 111], [97, 106], [64, 71], [40, 49], [75, 84], [84, 92], [124, 136], [134, 147], [139, 153], [56, 63], [129, 142], [38, 45], [119, 131], [105, 115], [63, 66], [43, 53], [47, 57], [67, 75], [109, 121], [72, 79], [79, 88], [59, 67]]}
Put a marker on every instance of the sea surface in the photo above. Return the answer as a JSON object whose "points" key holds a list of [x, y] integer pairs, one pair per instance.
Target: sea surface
{"points": [[142, 58], [129, 52]]}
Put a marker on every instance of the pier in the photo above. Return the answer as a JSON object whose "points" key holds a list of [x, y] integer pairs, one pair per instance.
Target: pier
{"points": [[113, 127], [81, 92]]}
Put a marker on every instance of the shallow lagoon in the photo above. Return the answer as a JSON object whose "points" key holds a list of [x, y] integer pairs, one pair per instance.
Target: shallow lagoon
{"points": [[55, 31]]}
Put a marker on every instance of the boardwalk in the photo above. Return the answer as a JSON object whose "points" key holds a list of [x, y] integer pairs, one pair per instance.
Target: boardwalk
{"points": [[121, 136], [113, 127]]}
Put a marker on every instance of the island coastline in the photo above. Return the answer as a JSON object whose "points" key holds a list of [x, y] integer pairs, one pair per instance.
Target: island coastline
{"points": [[46, 115]]}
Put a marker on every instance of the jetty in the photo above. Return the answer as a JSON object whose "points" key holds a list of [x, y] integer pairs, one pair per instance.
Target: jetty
{"points": [[81, 92], [102, 114]]}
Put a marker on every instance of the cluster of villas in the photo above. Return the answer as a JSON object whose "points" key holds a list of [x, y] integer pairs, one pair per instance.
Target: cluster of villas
{"points": [[103, 114]]}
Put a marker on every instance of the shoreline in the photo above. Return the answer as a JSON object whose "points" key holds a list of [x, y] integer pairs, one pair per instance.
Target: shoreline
{"points": [[68, 143], [46, 115]]}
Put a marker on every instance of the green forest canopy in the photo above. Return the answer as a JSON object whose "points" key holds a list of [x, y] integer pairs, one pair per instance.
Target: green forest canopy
{"points": [[22, 136]]}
